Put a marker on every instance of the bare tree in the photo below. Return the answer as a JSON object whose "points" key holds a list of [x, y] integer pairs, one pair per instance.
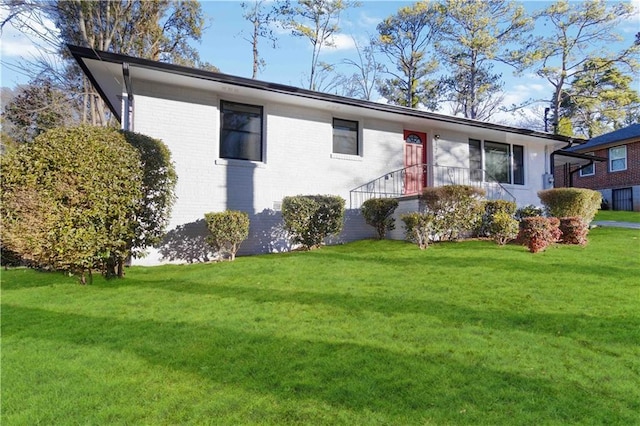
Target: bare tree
{"points": [[362, 83], [318, 21], [261, 20]]}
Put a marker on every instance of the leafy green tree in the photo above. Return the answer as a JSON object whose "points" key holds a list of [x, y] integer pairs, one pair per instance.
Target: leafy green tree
{"points": [[599, 99], [405, 38], [317, 21], [575, 32], [38, 106], [69, 198], [474, 35]]}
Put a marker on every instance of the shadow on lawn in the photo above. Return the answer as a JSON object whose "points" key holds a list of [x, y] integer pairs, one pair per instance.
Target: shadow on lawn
{"points": [[620, 330], [352, 376]]}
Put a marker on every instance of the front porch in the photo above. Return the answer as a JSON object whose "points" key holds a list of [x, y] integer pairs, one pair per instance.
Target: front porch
{"points": [[410, 181]]}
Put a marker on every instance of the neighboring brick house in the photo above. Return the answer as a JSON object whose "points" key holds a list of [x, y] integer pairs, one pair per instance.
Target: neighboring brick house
{"points": [[244, 144], [617, 178]]}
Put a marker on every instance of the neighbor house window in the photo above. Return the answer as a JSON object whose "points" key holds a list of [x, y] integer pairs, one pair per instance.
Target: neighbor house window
{"points": [[500, 161], [345, 137], [240, 131], [618, 158], [590, 169]]}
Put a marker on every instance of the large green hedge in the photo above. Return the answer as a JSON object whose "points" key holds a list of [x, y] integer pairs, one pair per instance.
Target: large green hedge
{"points": [[70, 197]]}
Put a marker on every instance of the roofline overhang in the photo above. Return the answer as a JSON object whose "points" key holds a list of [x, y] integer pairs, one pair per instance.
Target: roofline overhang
{"points": [[578, 155], [80, 53]]}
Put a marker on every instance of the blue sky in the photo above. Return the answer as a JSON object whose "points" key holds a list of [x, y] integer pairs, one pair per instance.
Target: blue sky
{"points": [[223, 45]]}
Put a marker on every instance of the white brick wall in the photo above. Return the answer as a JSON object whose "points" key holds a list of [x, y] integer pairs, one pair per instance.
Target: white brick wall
{"points": [[297, 160]]}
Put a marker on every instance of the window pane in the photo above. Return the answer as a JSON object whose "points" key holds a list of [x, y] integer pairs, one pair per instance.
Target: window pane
{"points": [[620, 164], [496, 162], [518, 165], [345, 137], [589, 169], [618, 158], [475, 160], [241, 131]]}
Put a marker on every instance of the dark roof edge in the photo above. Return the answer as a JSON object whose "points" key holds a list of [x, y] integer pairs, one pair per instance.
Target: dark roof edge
{"points": [[83, 52], [579, 155]]}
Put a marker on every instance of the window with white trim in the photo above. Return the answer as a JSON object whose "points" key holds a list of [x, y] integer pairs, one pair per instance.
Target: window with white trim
{"points": [[345, 137], [618, 158], [588, 170], [494, 161], [240, 131]]}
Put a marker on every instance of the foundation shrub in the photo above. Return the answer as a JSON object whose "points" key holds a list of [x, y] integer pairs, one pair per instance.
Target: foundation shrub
{"points": [[227, 230], [574, 230], [503, 228], [456, 209], [571, 202], [537, 232], [378, 212], [491, 208], [309, 219], [418, 228], [528, 211]]}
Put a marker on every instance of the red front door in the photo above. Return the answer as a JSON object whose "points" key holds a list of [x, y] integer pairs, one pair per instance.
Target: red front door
{"points": [[415, 155]]}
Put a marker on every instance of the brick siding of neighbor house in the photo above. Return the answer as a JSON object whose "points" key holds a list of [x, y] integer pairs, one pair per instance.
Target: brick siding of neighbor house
{"points": [[603, 180]]}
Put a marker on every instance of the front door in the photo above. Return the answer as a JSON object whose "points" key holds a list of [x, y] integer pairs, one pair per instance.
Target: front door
{"points": [[415, 155]]}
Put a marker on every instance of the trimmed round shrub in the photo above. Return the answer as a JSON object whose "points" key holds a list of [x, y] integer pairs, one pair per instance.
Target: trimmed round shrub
{"points": [[227, 231], [503, 228], [309, 219], [418, 228], [378, 212], [571, 202]]}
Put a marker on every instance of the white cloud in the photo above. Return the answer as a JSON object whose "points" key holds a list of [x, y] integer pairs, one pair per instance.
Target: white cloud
{"points": [[341, 42], [26, 42]]}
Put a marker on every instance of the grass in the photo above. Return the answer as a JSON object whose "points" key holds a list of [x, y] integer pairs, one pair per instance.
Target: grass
{"points": [[619, 216], [373, 332]]}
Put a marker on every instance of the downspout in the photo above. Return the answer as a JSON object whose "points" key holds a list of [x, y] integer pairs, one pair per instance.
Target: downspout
{"points": [[127, 114], [552, 157]]}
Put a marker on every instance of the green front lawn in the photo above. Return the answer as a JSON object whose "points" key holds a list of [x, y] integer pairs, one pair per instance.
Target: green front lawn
{"points": [[618, 216], [373, 332]]}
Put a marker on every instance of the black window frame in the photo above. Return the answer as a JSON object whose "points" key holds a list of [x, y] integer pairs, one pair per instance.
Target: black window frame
{"points": [[478, 152], [243, 147], [352, 126]]}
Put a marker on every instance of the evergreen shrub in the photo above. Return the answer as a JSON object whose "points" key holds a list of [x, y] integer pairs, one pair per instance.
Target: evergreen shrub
{"points": [[457, 209], [378, 212], [227, 230], [571, 202], [309, 219]]}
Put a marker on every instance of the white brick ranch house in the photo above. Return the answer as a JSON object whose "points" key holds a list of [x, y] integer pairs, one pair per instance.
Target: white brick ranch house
{"points": [[244, 144]]}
